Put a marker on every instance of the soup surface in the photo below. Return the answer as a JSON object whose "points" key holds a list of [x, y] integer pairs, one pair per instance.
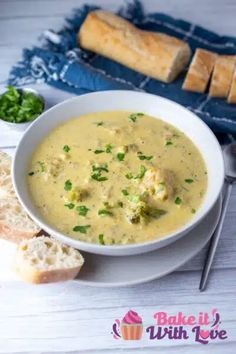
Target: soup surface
{"points": [[117, 178]]}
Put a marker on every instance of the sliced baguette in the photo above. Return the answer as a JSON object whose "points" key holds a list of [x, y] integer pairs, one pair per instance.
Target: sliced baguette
{"points": [[222, 76], [15, 224], [232, 92], [199, 71], [154, 54], [44, 260]]}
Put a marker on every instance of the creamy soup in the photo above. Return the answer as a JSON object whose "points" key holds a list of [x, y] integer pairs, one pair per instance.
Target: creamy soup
{"points": [[117, 178]]}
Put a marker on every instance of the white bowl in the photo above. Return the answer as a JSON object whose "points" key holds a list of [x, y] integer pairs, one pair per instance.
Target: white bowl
{"points": [[152, 105]]}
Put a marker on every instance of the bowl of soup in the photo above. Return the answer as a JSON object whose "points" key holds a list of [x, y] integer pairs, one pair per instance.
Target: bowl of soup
{"points": [[118, 172]]}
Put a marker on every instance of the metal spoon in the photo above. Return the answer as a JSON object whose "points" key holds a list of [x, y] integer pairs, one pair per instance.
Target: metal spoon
{"points": [[229, 154]]}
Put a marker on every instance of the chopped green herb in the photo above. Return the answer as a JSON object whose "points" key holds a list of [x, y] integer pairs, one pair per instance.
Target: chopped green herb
{"points": [[120, 204], [42, 166], [109, 148], [129, 175], [66, 148], [100, 168], [134, 198], [83, 229], [178, 200], [98, 177], [189, 180], [18, 106], [70, 205], [125, 192], [104, 212], [133, 117], [169, 143], [144, 157], [68, 185], [31, 173], [120, 156], [98, 124], [82, 209], [98, 151], [142, 172], [193, 211], [101, 239], [156, 213]]}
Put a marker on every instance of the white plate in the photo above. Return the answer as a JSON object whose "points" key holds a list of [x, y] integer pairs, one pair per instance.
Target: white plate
{"points": [[108, 271]]}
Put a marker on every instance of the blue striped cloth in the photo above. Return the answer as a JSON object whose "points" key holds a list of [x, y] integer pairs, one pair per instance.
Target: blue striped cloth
{"points": [[62, 63]]}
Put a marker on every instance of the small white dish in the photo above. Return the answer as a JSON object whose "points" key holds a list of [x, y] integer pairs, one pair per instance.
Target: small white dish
{"points": [[21, 127], [152, 105], [132, 270]]}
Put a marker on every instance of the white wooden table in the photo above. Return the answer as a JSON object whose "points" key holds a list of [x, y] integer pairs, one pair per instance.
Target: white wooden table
{"points": [[67, 317]]}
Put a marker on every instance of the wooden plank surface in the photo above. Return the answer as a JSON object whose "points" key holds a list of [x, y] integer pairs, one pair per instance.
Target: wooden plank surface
{"points": [[68, 318]]}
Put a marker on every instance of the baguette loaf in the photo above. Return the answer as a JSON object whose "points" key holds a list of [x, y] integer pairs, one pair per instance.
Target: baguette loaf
{"points": [[15, 224], [232, 92], [44, 260], [222, 76], [156, 55], [199, 71]]}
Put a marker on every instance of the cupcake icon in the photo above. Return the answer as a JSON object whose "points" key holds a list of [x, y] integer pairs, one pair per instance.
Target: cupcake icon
{"points": [[131, 326]]}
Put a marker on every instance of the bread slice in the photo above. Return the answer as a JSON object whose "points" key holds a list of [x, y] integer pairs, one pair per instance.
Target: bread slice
{"points": [[15, 224], [222, 76], [157, 55], [45, 260], [232, 92], [199, 71]]}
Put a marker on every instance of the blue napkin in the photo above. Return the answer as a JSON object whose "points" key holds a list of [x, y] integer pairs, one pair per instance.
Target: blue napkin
{"points": [[62, 63]]}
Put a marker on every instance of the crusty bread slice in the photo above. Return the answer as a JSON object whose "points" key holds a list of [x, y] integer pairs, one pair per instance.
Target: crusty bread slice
{"points": [[45, 260], [199, 71], [154, 54], [232, 92], [222, 76], [15, 224]]}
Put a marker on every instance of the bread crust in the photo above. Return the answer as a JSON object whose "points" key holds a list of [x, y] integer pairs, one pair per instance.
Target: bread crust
{"points": [[232, 92], [33, 276], [199, 71], [154, 54], [222, 76]]}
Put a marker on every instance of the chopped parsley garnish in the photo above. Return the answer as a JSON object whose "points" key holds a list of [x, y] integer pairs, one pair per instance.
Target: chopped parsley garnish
{"points": [[178, 200], [134, 198], [82, 229], [98, 177], [98, 151], [139, 175], [169, 143], [189, 180], [68, 185], [42, 166], [142, 172], [18, 106], [98, 124], [193, 211], [125, 192], [101, 239], [144, 157], [31, 173], [70, 205], [100, 168], [120, 156], [155, 213], [66, 148], [133, 117], [129, 175], [82, 209], [104, 212], [108, 148]]}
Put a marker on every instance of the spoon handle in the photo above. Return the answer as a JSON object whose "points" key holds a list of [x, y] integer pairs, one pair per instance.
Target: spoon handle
{"points": [[215, 239]]}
